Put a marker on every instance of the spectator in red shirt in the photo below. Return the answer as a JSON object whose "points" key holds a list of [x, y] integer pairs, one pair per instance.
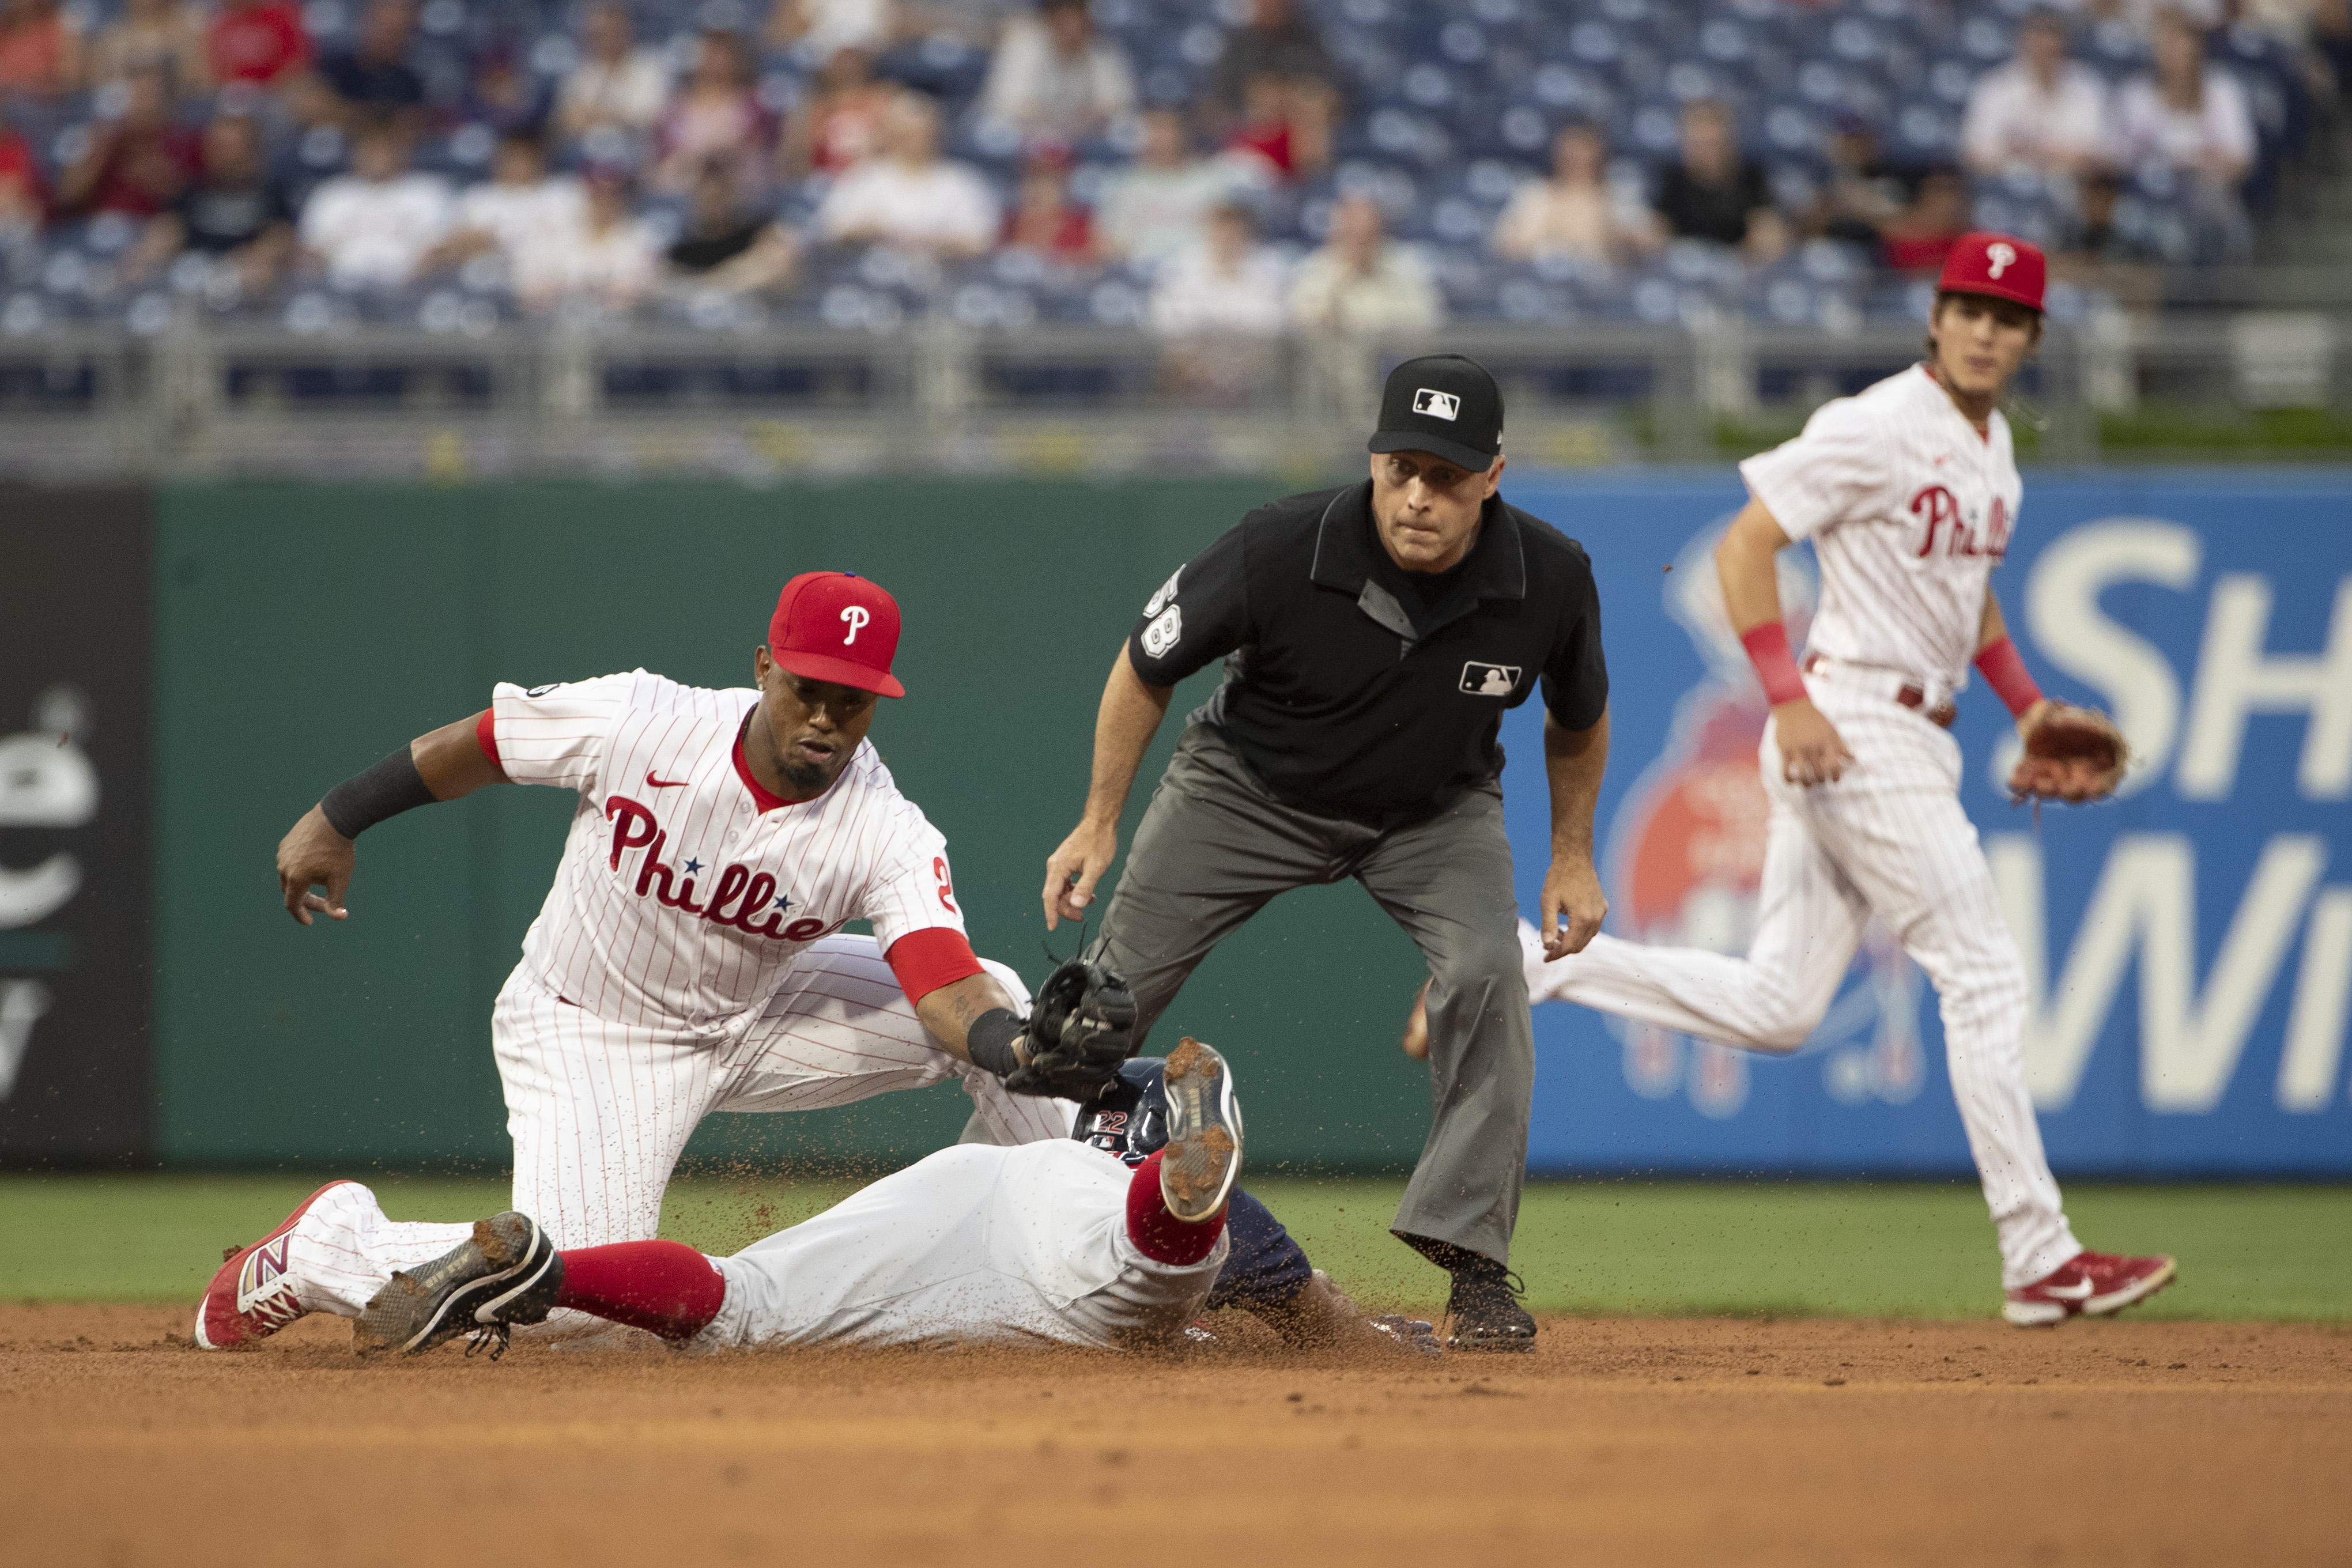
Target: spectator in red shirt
{"points": [[1286, 124], [839, 123], [40, 55], [138, 163], [20, 184], [1046, 221], [1921, 236], [257, 41]]}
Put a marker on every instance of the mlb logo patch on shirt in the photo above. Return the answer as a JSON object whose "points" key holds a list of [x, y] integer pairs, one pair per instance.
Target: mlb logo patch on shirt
{"points": [[1489, 680], [1435, 403]]}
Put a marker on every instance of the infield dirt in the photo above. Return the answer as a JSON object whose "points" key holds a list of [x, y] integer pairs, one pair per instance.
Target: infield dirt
{"points": [[1618, 1440]]}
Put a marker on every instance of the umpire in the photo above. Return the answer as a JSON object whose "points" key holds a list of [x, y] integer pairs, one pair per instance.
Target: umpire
{"points": [[1372, 636]]}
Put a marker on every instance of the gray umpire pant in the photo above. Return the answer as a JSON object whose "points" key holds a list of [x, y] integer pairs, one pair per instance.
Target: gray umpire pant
{"points": [[1216, 844]]}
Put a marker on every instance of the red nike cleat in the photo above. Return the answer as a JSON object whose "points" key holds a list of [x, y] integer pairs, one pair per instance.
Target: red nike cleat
{"points": [[2092, 1284], [252, 1297]]}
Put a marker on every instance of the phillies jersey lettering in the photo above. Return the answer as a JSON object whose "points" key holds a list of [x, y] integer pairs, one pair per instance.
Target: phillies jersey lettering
{"points": [[1909, 510], [636, 827], [679, 903], [1935, 507]]}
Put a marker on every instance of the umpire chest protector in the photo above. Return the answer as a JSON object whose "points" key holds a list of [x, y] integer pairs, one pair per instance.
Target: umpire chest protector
{"points": [[1356, 688]]}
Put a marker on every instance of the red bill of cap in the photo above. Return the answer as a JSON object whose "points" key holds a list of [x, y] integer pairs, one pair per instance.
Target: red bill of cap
{"points": [[2003, 265], [837, 626]]}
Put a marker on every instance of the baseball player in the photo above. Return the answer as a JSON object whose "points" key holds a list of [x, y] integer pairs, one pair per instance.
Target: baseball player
{"points": [[1909, 492], [1112, 1238], [690, 957]]}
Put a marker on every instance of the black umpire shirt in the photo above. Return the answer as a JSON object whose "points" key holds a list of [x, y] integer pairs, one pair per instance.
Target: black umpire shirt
{"points": [[1360, 690]]}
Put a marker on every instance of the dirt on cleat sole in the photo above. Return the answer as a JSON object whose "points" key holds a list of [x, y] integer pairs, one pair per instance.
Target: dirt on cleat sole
{"points": [[507, 1258], [1203, 1151]]}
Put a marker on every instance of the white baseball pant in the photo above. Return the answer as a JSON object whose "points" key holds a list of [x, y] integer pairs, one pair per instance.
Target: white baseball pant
{"points": [[971, 1246], [1890, 839], [600, 1111]]}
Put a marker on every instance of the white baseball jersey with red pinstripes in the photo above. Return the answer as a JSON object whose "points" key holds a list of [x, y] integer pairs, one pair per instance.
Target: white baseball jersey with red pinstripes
{"points": [[1909, 510], [680, 903], [688, 960]]}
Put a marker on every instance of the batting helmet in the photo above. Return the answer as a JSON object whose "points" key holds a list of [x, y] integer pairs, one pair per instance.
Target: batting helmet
{"points": [[1129, 1117]]}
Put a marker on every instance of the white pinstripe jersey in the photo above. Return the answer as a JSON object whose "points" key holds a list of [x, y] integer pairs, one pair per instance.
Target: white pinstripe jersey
{"points": [[1909, 510], [679, 903]]}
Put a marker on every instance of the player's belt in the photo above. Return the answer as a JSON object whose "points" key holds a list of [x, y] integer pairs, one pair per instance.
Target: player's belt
{"points": [[1888, 684]]}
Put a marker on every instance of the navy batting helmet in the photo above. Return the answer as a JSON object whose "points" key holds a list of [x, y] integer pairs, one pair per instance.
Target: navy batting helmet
{"points": [[1129, 1117]]}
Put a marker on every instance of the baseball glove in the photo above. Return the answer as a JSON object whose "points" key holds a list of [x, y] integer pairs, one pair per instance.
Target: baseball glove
{"points": [[1081, 1028], [2072, 753]]}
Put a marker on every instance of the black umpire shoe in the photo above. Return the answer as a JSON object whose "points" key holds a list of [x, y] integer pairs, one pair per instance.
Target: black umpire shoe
{"points": [[1484, 1310], [508, 1274]]}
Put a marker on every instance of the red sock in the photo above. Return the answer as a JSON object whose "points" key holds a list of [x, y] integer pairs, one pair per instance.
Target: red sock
{"points": [[665, 1287], [1160, 1235]]}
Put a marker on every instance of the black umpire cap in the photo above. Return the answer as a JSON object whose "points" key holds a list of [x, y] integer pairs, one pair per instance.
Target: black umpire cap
{"points": [[1445, 405]]}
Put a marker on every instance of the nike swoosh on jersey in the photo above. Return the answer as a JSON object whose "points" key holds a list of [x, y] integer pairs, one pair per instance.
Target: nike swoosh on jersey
{"points": [[661, 783]]}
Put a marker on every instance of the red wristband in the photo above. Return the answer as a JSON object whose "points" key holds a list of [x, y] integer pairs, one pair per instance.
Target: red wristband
{"points": [[1768, 650], [2005, 671]]}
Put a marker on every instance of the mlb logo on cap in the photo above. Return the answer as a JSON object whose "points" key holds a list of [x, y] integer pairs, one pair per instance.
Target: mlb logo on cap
{"points": [[1443, 405]]}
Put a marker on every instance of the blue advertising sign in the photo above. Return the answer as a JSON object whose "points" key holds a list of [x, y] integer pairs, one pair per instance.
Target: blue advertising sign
{"points": [[2190, 944]]}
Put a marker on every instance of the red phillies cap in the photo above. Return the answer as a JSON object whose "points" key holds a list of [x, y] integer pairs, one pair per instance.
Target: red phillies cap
{"points": [[837, 626], [2003, 265]]}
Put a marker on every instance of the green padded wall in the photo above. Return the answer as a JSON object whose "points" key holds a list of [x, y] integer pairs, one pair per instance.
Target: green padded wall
{"points": [[305, 630]]}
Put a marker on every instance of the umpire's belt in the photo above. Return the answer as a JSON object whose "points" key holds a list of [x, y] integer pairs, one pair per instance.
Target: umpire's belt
{"points": [[1892, 686]]}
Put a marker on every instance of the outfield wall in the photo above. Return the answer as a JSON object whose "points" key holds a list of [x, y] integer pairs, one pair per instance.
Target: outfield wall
{"points": [[2195, 941]]}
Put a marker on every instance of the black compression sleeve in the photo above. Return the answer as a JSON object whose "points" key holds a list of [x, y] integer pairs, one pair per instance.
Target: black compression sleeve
{"points": [[388, 789], [989, 1040]]}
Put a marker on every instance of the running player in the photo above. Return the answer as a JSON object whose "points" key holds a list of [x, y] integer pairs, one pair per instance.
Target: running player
{"points": [[1909, 492], [690, 956]]}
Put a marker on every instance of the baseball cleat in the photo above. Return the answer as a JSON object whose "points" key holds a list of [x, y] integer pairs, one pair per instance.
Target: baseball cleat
{"points": [[252, 1296], [2091, 1285], [1203, 1153], [1416, 1335], [1483, 1306], [508, 1273]]}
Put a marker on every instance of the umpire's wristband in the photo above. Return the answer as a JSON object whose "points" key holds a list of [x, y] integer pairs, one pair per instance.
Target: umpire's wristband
{"points": [[990, 1043], [388, 789]]}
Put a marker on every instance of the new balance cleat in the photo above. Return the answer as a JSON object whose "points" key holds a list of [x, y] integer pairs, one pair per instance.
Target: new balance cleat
{"points": [[508, 1274], [252, 1296], [1203, 1153], [2089, 1284], [1485, 1312]]}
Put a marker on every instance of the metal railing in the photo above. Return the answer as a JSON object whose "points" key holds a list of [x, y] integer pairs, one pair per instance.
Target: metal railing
{"points": [[937, 394]]}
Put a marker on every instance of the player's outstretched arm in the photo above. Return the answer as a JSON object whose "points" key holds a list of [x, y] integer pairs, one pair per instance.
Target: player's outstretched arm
{"points": [[1811, 751], [318, 850], [1130, 716], [1573, 903], [951, 1012]]}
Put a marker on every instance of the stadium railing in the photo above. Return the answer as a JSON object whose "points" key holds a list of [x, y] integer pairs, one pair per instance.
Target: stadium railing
{"points": [[87, 400]]}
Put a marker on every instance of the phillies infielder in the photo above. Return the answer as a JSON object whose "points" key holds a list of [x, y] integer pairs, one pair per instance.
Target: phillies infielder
{"points": [[689, 958], [1909, 492]]}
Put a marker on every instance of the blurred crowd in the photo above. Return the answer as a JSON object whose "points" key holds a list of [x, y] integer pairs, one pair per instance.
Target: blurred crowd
{"points": [[1264, 168]]}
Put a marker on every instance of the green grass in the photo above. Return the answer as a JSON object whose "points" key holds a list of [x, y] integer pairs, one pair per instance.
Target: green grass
{"points": [[1643, 1247]]}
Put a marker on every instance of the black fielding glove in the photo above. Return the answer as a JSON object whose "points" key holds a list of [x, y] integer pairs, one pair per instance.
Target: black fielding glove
{"points": [[1081, 1028]]}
